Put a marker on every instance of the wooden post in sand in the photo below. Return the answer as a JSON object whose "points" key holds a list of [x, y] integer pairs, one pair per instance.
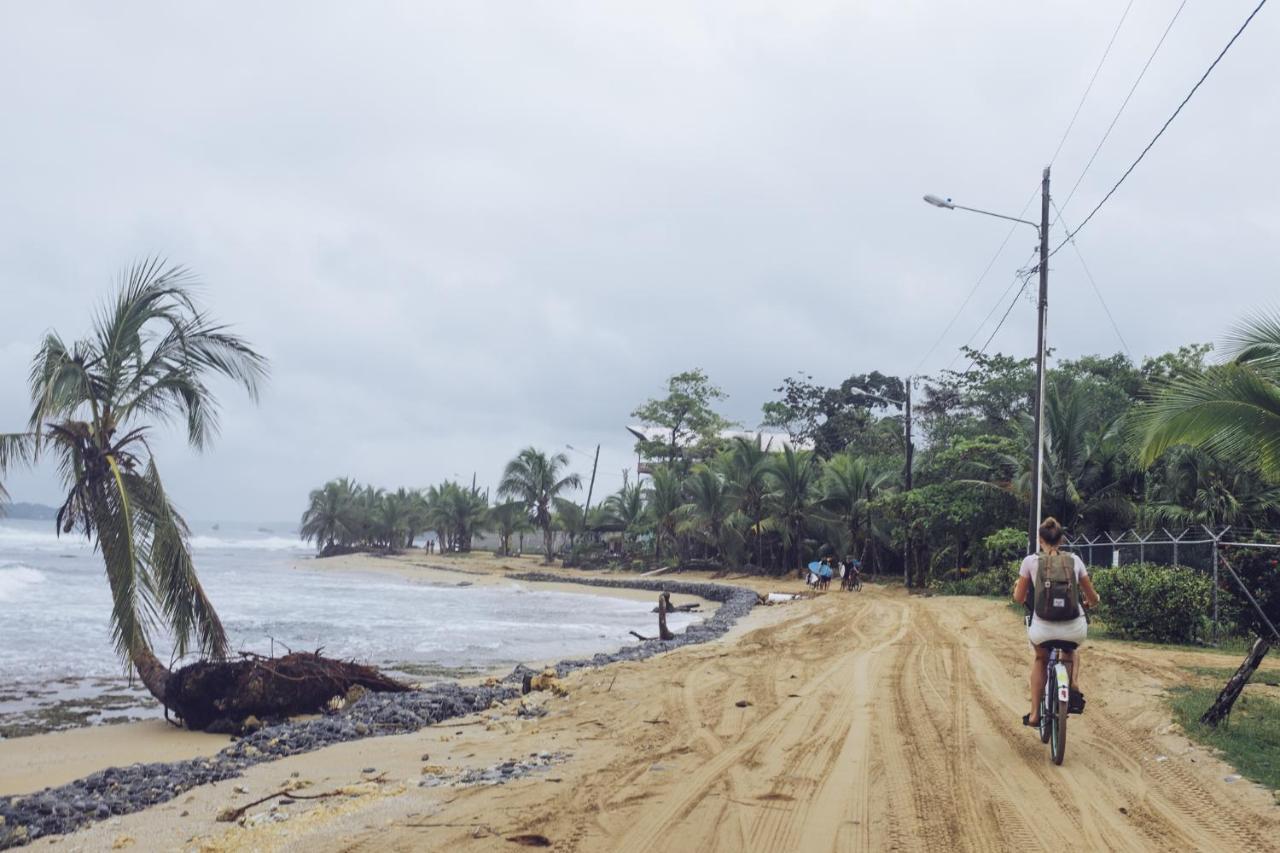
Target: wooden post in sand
{"points": [[664, 605]]}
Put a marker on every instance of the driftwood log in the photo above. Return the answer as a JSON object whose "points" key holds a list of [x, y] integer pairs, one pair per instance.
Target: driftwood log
{"points": [[664, 607], [221, 695]]}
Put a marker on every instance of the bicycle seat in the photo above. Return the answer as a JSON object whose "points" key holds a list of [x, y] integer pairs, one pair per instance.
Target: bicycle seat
{"points": [[1061, 645]]}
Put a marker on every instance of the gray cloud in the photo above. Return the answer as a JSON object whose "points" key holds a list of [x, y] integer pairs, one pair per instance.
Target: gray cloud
{"points": [[458, 229]]}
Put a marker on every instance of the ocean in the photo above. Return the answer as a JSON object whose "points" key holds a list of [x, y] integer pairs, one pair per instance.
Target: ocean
{"points": [[58, 666]]}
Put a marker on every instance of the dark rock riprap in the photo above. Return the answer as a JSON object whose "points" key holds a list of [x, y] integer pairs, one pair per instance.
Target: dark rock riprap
{"points": [[122, 790]]}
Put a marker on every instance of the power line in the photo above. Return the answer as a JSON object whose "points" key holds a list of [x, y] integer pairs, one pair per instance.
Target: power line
{"points": [[994, 308], [956, 316], [1123, 104], [1007, 237], [1165, 126], [1092, 80], [1026, 277], [1097, 291]]}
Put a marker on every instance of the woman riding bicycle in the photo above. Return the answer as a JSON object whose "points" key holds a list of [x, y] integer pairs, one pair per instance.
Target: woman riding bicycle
{"points": [[1042, 630]]}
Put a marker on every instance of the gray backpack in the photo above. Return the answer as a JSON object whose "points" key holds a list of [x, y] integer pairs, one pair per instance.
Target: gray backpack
{"points": [[1057, 591]]}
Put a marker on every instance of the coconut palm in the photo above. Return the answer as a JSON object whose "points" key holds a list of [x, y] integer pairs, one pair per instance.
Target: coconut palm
{"points": [[328, 515], [1231, 409], [536, 479], [710, 506], [570, 520], [628, 511], [795, 475], [508, 519], [94, 404], [666, 498], [848, 486], [1195, 488], [748, 480]]}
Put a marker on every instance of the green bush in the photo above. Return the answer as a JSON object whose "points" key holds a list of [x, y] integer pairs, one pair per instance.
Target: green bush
{"points": [[1000, 547], [994, 582], [1163, 604]]}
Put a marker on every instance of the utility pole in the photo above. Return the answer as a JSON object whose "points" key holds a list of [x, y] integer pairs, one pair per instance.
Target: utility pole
{"points": [[587, 507], [1043, 304], [911, 448]]}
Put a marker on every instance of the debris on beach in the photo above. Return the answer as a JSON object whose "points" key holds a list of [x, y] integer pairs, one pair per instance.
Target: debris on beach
{"points": [[230, 696], [546, 680], [499, 774]]}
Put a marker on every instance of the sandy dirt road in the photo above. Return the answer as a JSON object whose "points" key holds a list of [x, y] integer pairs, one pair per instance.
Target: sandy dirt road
{"points": [[875, 722]]}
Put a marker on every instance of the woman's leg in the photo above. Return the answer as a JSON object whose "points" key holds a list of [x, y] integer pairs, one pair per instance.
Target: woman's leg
{"points": [[1037, 681]]}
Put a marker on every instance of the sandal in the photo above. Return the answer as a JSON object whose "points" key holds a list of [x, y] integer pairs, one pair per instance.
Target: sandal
{"points": [[1026, 721], [1075, 701]]}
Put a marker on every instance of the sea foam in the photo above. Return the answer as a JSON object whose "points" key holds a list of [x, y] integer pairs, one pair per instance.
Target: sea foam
{"points": [[16, 579], [264, 543]]}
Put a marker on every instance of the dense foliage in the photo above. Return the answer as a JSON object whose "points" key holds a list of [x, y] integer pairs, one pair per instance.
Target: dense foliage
{"points": [[1166, 604]]}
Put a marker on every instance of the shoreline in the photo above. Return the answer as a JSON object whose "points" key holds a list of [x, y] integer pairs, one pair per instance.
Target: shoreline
{"points": [[70, 703], [37, 814]]}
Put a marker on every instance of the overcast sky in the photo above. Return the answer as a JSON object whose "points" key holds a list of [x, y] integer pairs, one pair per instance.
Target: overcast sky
{"points": [[460, 229]]}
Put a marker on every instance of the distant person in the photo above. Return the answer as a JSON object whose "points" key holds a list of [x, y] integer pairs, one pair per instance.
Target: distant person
{"points": [[1057, 617], [852, 573]]}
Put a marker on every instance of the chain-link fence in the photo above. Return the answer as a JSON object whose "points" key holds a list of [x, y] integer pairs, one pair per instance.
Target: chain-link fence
{"points": [[1194, 547]]}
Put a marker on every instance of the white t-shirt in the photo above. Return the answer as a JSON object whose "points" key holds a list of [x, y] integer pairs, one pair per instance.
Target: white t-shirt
{"points": [[1031, 565]]}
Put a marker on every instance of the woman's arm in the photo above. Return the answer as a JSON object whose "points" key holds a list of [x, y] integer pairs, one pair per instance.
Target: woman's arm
{"points": [[1020, 589], [1091, 598]]}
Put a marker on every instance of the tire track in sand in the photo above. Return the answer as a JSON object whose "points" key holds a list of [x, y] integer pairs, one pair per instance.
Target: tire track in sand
{"points": [[773, 735]]}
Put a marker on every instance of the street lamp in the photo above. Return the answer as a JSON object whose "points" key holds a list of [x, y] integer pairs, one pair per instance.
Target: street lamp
{"points": [[1042, 315]]}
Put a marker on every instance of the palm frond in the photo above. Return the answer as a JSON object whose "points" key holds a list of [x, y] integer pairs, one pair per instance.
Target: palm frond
{"points": [[171, 575], [1228, 409], [1256, 341]]}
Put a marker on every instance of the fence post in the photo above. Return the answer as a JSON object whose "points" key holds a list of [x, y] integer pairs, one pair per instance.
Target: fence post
{"points": [[1216, 539]]}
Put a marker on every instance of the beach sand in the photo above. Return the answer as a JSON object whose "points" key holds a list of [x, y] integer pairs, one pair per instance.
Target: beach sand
{"points": [[31, 763], [867, 721]]}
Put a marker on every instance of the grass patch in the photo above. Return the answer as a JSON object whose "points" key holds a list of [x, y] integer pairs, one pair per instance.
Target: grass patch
{"points": [[1220, 674], [1249, 741]]}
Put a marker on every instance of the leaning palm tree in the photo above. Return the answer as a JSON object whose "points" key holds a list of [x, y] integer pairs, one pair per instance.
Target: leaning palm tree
{"points": [[535, 478], [94, 403], [1231, 410]]}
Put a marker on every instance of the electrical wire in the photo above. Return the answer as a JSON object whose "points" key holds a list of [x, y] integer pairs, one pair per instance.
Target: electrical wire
{"points": [[1092, 80], [1007, 237], [1097, 291], [1164, 127], [994, 308], [968, 297], [1123, 104], [1026, 277]]}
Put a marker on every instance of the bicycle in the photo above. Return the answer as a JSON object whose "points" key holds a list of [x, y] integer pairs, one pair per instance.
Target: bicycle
{"points": [[852, 581], [1055, 704]]}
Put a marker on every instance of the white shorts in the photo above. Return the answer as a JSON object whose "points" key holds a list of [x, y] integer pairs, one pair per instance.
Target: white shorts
{"points": [[1074, 631]]}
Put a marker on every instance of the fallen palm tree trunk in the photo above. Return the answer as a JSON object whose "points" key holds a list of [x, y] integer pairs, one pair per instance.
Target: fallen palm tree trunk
{"points": [[221, 695]]}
